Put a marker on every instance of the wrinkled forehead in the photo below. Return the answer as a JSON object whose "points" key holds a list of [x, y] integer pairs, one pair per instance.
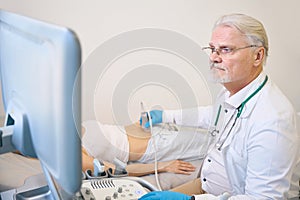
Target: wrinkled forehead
{"points": [[227, 35]]}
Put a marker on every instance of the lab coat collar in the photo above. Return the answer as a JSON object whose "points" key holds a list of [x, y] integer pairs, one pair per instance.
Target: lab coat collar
{"points": [[237, 99]]}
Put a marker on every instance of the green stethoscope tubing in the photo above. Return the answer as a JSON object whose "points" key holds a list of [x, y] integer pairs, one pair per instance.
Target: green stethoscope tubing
{"points": [[240, 108]]}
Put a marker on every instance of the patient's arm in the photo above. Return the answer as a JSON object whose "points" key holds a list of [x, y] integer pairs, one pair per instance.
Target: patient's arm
{"points": [[140, 169], [174, 166]]}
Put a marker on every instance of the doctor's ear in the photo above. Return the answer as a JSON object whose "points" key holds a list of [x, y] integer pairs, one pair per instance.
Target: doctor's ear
{"points": [[259, 56]]}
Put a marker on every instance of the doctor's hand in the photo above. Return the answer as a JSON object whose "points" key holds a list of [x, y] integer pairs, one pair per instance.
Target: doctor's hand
{"points": [[156, 117], [157, 195]]}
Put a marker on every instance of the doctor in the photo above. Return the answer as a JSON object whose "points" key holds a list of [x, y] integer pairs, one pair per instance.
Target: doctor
{"points": [[254, 144]]}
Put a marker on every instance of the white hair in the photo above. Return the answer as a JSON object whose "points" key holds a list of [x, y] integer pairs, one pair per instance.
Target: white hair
{"points": [[250, 27]]}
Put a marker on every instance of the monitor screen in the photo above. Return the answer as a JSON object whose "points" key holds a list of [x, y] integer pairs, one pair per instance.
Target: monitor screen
{"points": [[40, 76]]}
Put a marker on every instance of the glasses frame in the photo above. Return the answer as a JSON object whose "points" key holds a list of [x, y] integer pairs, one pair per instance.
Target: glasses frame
{"points": [[221, 51]]}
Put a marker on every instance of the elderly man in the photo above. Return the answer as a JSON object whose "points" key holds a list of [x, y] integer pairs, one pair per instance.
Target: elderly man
{"points": [[254, 144]]}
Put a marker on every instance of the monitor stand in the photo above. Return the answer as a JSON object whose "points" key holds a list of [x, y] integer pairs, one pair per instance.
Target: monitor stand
{"points": [[35, 187], [41, 188]]}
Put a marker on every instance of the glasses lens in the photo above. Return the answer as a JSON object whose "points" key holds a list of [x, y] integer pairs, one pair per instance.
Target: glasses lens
{"points": [[207, 50]]}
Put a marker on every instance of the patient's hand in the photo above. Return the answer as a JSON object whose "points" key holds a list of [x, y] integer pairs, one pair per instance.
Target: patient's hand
{"points": [[177, 167]]}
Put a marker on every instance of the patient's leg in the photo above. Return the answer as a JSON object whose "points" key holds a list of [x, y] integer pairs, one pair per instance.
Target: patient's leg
{"points": [[190, 188]]}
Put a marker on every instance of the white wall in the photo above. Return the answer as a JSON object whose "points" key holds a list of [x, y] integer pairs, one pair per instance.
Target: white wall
{"points": [[96, 22]]}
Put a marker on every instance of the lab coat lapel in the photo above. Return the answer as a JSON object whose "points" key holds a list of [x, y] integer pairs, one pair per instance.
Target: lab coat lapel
{"points": [[246, 114], [237, 100]]}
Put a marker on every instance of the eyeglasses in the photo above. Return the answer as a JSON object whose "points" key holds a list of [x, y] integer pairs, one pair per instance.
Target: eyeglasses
{"points": [[224, 51]]}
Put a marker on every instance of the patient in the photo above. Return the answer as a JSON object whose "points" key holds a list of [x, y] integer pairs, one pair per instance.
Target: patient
{"points": [[136, 147]]}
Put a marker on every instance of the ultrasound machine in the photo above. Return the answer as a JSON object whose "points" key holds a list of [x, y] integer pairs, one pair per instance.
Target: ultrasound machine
{"points": [[41, 88]]}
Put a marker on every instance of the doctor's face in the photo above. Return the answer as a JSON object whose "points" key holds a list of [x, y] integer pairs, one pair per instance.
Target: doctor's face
{"points": [[231, 58]]}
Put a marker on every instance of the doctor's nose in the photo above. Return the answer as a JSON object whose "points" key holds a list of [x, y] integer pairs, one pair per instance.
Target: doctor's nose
{"points": [[214, 57]]}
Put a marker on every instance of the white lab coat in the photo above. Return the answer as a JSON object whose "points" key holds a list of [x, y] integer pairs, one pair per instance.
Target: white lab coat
{"points": [[261, 153]]}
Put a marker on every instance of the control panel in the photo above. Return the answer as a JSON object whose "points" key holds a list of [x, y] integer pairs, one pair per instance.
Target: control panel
{"points": [[112, 188]]}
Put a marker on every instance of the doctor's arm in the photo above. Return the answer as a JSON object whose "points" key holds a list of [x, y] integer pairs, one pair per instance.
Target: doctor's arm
{"points": [[194, 117], [271, 154]]}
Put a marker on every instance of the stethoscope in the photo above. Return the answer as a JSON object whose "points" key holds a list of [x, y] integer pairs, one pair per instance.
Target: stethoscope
{"points": [[238, 110]]}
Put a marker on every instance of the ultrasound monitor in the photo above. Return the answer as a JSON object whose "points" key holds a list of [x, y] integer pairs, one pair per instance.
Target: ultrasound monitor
{"points": [[40, 76]]}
